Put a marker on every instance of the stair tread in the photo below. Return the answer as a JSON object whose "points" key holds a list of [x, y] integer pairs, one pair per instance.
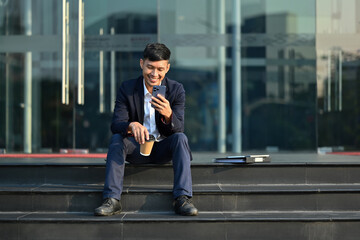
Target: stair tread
{"points": [[172, 217], [79, 162], [202, 174], [197, 188]]}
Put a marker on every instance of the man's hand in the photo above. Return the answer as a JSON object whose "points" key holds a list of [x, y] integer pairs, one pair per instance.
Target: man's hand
{"points": [[139, 131], [162, 106]]}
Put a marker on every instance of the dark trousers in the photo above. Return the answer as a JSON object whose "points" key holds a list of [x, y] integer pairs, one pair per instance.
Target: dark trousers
{"points": [[174, 147]]}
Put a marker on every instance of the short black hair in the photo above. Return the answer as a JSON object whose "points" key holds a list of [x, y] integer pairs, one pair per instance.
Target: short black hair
{"points": [[156, 52]]}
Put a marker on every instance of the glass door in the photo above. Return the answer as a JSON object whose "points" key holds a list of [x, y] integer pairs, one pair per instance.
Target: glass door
{"points": [[33, 118], [338, 71]]}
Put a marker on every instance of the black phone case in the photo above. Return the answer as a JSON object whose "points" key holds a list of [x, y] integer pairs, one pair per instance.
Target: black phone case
{"points": [[158, 90]]}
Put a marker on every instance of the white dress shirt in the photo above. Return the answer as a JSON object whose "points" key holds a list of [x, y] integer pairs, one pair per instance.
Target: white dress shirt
{"points": [[149, 114]]}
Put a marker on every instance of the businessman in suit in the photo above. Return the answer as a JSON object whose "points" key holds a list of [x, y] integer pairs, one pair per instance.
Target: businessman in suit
{"points": [[137, 115]]}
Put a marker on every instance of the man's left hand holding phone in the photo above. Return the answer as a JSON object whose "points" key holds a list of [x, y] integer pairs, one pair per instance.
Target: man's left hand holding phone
{"points": [[159, 102]]}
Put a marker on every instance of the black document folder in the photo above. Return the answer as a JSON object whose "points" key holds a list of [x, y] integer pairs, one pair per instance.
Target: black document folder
{"points": [[244, 159]]}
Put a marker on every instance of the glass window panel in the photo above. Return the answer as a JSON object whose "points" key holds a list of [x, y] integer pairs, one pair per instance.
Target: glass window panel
{"points": [[279, 84], [194, 64], [128, 19], [276, 80], [338, 44]]}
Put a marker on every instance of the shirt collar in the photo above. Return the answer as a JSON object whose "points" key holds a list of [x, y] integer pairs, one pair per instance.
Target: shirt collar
{"points": [[146, 92]]}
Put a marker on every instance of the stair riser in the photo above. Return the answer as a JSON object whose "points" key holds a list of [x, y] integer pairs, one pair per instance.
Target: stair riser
{"points": [[87, 202], [155, 175], [175, 230]]}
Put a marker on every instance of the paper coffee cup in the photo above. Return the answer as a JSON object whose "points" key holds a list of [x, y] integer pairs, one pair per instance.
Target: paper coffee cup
{"points": [[145, 149]]}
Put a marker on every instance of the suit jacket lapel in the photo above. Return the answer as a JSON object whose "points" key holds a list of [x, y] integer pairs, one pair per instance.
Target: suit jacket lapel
{"points": [[139, 99]]}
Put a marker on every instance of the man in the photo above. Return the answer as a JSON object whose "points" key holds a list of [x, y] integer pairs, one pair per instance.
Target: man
{"points": [[135, 119]]}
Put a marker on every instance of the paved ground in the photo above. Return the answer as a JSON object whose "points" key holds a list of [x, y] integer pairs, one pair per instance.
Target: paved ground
{"points": [[206, 157], [290, 157]]}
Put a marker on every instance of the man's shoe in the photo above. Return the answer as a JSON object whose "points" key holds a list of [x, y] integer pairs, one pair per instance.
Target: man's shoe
{"points": [[184, 206], [109, 207]]}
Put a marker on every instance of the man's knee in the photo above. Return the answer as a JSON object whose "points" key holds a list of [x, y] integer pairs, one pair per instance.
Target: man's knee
{"points": [[116, 139], [116, 148], [180, 137], [180, 141]]}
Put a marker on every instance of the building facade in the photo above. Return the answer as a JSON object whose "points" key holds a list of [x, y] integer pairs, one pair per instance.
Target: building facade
{"points": [[273, 75]]}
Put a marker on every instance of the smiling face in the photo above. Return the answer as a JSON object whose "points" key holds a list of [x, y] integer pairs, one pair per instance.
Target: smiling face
{"points": [[154, 72]]}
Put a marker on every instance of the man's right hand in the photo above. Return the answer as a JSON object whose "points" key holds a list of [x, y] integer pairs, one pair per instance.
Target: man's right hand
{"points": [[139, 131]]}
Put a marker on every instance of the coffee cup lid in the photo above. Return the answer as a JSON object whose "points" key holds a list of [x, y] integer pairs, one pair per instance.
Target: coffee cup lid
{"points": [[151, 138]]}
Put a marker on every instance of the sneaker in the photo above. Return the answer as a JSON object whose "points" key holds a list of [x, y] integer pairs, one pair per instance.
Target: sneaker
{"points": [[184, 206], [109, 207]]}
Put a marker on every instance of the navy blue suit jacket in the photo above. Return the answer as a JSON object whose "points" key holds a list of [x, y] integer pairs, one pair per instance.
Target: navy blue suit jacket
{"points": [[129, 107]]}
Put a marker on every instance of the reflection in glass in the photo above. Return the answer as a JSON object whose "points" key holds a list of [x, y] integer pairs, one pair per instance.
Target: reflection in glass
{"points": [[338, 44], [299, 69]]}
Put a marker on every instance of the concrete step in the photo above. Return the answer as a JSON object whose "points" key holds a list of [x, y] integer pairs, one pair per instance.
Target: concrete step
{"points": [[308, 225], [280, 173], [210, 197]]}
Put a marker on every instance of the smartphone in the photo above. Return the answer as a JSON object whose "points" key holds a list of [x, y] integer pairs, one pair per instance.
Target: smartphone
{"points": [[158, 90]]}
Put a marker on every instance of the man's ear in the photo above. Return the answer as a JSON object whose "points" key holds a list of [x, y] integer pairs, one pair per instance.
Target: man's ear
{"points": [[141, 63], [168, 67]]}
